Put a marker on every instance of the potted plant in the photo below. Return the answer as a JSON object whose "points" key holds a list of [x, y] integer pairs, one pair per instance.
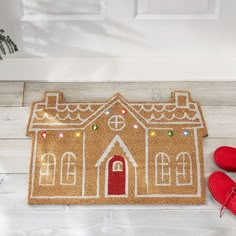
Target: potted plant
{"points": [[6, 44]]}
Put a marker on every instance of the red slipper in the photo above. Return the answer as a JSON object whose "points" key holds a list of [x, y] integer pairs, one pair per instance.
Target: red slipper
{"points": [[225, 158], [223, 189]]}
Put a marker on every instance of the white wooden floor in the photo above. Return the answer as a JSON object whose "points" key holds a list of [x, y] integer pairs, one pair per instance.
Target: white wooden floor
{"points": [[218, 100]]}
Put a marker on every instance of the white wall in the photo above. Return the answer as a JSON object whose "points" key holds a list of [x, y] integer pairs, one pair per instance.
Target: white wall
{"points": [[114, 41]]}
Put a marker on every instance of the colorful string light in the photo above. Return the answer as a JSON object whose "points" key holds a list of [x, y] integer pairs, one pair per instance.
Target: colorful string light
{"points": [[44, 134], [124, 111], [95, 127]]}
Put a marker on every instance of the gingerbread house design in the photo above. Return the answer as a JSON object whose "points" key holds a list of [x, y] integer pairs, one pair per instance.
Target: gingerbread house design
{"points": [[116, 152]]}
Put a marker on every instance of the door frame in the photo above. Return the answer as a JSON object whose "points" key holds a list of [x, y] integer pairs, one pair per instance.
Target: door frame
{"points": [[126, 178]]}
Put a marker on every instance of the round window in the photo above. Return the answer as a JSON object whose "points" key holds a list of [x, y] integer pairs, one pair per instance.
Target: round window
{"points": [[116, 122]]}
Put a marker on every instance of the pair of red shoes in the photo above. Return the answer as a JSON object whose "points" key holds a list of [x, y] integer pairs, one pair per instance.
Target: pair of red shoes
{"points": [[221, 186]]}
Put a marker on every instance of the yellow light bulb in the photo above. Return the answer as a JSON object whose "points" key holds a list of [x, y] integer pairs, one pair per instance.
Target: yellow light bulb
{"points": [[152, 133]]}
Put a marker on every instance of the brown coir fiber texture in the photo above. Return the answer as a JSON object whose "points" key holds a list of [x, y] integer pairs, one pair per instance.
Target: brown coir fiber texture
{"points": [[116, 152]]}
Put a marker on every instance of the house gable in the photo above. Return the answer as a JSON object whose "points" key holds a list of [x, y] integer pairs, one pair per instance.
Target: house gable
{"points": [[116, 139], [114, 100]]}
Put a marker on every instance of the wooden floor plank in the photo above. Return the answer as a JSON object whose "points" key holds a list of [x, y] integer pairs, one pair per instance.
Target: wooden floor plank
{"points": [[14, 190], [59, 219], [47, 222], [220, 121], [207, 93], [18, 218], [13, 122], [122, 222], [11, 93], [15, 155], [50, 219], [19, 150]]}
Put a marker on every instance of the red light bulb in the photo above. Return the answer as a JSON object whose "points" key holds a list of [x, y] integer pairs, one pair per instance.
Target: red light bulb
{"points": [[124, 111], [44, 134]]}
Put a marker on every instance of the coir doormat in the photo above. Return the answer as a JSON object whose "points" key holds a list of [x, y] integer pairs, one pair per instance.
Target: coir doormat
{"points": [[116, 152]]}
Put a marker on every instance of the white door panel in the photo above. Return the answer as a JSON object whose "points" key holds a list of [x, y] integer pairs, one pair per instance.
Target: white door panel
{"points": [[77, 28]]}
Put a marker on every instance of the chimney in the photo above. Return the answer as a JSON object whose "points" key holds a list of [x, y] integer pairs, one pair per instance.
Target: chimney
{"points": [[182, 99], [52, 99]]}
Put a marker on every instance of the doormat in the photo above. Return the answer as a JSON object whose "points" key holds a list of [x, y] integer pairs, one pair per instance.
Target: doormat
{"points": [[116, 152]]}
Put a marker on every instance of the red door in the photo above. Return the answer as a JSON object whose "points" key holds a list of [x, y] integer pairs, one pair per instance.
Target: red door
{"points": [[116, 176]]}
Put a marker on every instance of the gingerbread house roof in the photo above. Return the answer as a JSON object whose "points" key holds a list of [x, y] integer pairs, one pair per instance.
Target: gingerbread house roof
{"points": [[54, 112]]}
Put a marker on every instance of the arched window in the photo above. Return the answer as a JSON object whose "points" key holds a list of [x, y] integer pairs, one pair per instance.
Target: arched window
{"points": [[183, 169], [47, 170], [117, 166], [162, 169], [68, 169]]}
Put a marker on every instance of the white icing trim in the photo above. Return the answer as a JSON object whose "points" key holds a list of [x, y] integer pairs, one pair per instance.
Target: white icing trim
{"points": [[124, 104], [162, 116], [77, 107], [33, 162], [117, 196], [64, 126], [127, 105], [183, 94], [176, 123], [57, 117], [114, 125], [84, 165], [196, 142], [63, 197], [117, 166], [48, 156], [118, 139], [136, 182], [168, 195], [38, 109], [69, 155], [154, 109], [107, 177], [199, 115], [58, 124], [66, 105], [146, 158], [139, 196], [187, 159], [57, 129], [164, 128], [162, 164], [98, 182], [51, 95]]}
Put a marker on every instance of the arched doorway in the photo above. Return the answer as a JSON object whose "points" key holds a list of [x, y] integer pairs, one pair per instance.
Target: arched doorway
{"points": [[117, 176]]}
